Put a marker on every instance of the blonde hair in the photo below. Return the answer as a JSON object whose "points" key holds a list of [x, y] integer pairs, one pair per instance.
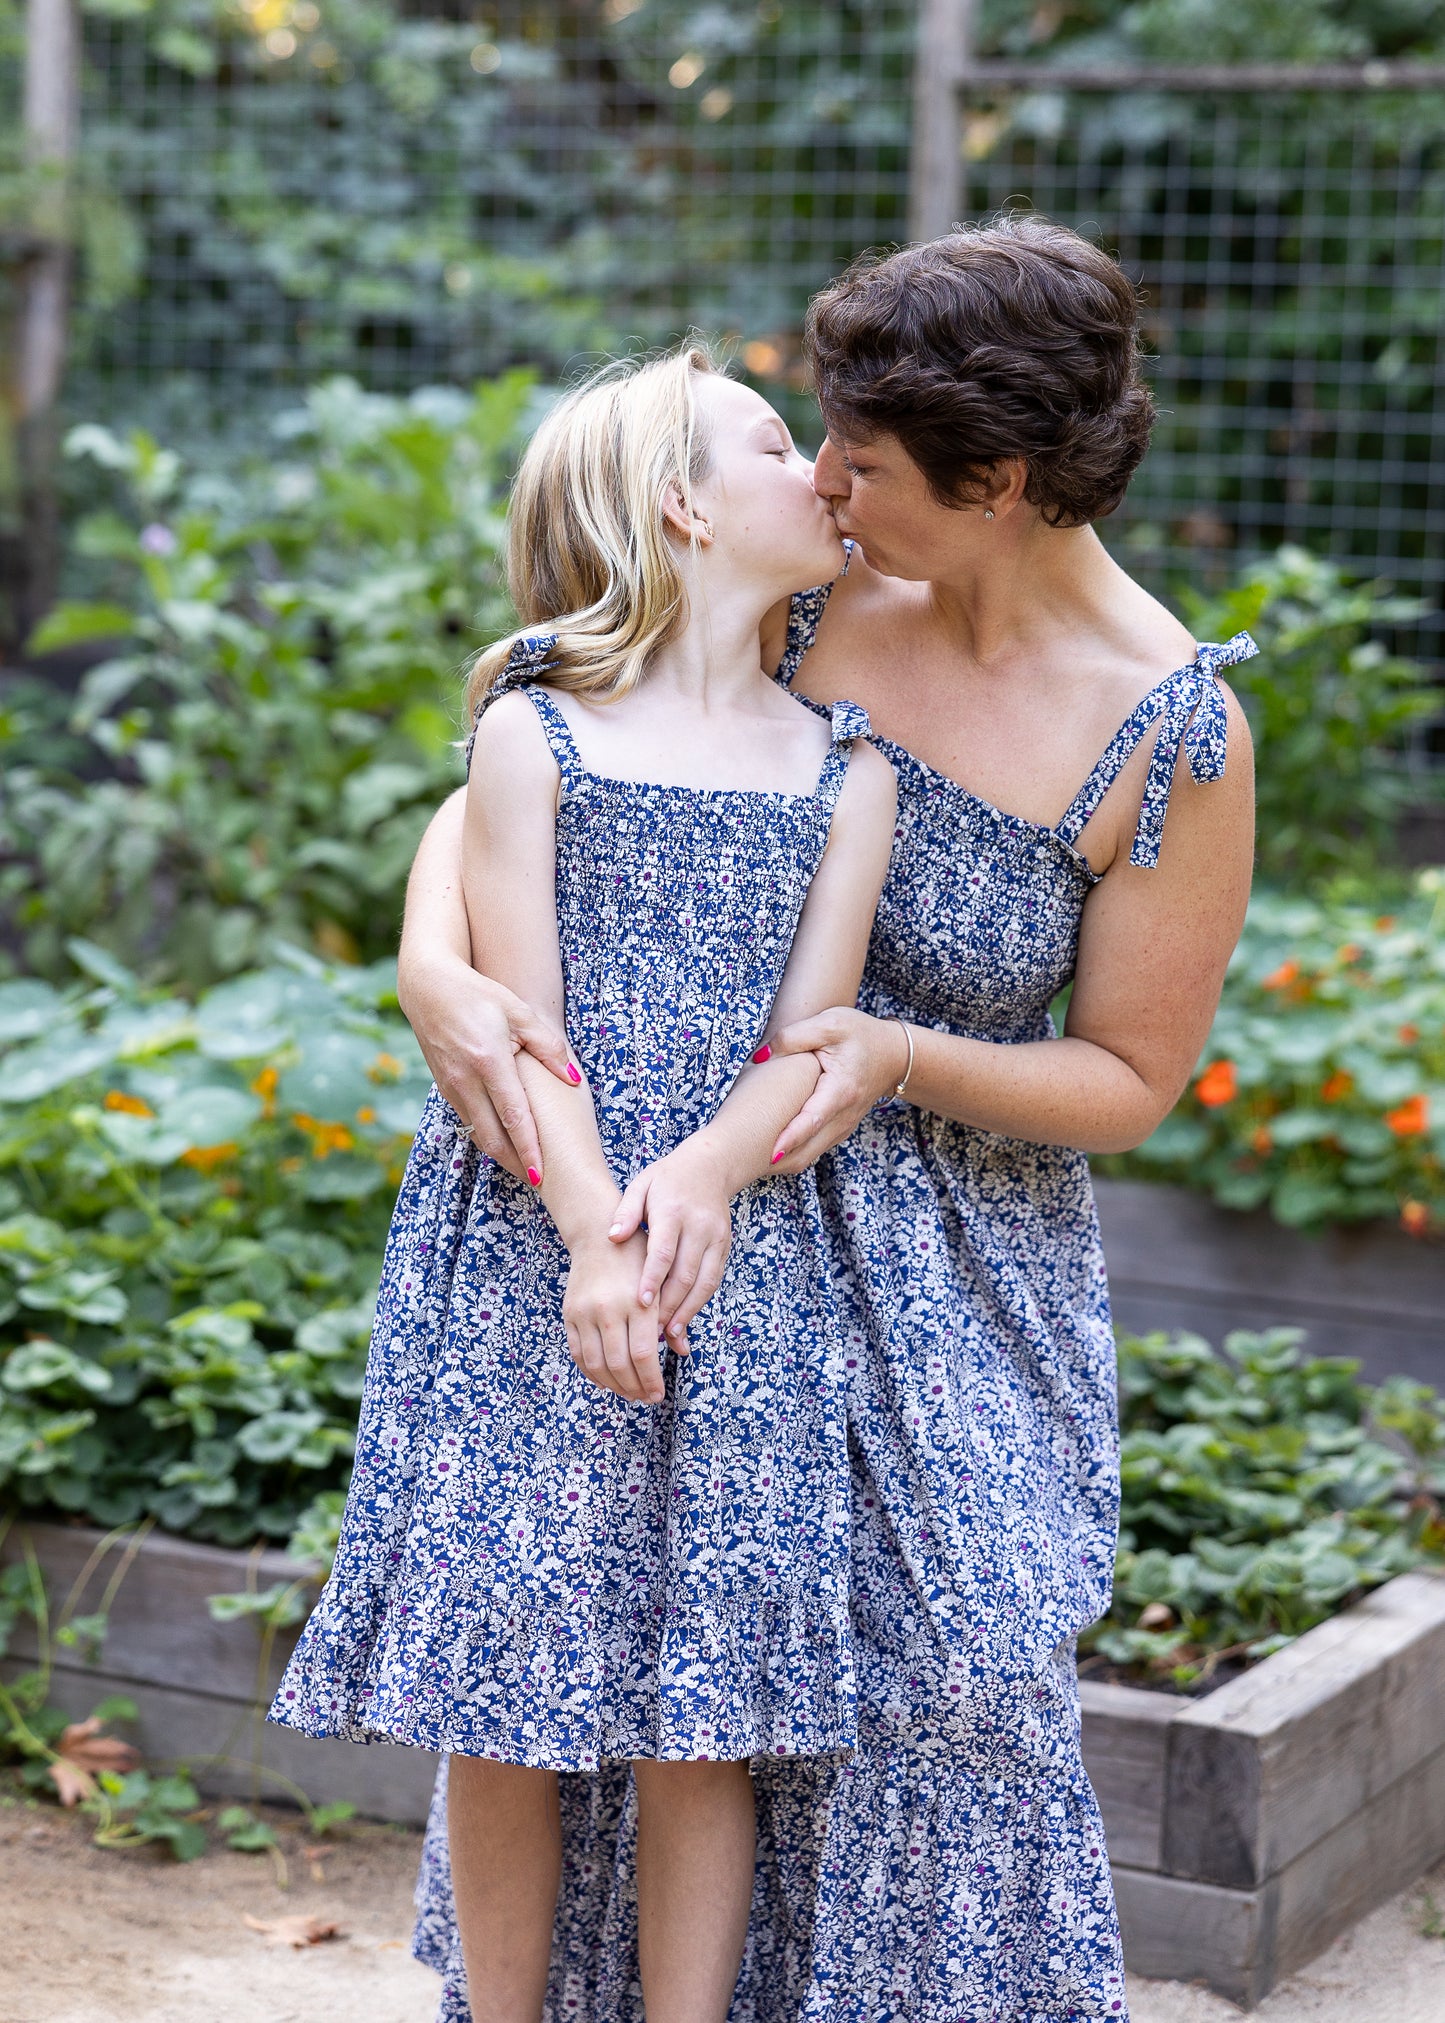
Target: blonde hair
{"points": [[588, 554]]}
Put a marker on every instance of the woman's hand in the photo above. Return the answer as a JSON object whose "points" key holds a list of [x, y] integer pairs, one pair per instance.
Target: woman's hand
{"points": [[612, 1336], [471, 1030], [861, 1059], [685, 1200]]}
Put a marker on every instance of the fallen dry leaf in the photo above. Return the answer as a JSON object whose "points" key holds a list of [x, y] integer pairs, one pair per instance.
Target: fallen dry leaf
{"points": [[82, 1751], [302, 1929]]}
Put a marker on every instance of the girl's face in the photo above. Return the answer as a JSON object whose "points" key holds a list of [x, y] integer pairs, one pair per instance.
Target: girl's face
{"points": [[881, 498], [769, 522]]}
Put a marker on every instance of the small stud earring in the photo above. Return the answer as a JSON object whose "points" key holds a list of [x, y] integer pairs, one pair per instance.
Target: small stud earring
{"points": [[988, 512]]}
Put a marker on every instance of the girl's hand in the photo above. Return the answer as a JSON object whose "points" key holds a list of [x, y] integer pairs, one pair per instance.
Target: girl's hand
{"points": [[612, 1336], [861, 1059], [685, 1200], [471, 1030]]}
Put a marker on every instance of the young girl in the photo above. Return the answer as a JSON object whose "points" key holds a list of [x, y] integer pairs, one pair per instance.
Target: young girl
{"points": [[599, 1508]]}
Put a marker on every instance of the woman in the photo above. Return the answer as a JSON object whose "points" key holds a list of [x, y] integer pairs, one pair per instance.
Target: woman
{"points": [[1044, 715]]}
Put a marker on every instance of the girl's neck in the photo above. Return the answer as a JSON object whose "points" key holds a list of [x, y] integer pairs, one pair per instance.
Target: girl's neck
{"points": [[714, 660]]}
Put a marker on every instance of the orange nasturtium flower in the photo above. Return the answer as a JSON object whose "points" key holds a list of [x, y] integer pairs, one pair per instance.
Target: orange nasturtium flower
{"points": [[1217, 1085], [1337, 1087], [1409, 1035], [1414, 1218], [1385, 922], [264, 1086], [1411, 1119], [132, 1106], [1279, 978], [325, 1138], [366, 1115], [1350, 951], [205, 1157], [1263, 1139], [385, 1068]]}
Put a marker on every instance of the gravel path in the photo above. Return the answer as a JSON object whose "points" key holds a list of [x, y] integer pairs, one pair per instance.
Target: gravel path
{"points": [[99, 1937]]}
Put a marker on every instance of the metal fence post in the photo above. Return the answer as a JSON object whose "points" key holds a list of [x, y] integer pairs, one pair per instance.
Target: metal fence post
{"points": [[52, 134], [945, 42]]}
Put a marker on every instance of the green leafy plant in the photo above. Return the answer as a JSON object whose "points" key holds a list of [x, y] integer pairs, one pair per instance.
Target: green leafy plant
{"points": [[1321, 1093], [1262, 1491], [260, 753], [193, 1203], [1330, 708]]}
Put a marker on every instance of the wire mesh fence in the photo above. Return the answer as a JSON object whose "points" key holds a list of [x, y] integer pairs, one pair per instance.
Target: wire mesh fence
{"points": [[525, 186], [299, 187], [1291, 247]]}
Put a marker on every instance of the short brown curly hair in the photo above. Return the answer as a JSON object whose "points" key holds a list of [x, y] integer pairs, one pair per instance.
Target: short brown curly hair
{"points": [[1015, 338]]}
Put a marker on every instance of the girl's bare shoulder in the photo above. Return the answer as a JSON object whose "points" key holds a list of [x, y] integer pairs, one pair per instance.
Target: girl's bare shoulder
{"points": [[509, 735]]}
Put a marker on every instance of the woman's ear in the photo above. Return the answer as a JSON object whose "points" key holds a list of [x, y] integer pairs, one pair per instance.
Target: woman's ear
{"points": [[684, 520], [1006, 482]]}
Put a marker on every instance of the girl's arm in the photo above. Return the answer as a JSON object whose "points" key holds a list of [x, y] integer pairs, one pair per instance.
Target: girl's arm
{"points": [[470, 1028], [1153, 949], [509, 882], [685, 1198]]}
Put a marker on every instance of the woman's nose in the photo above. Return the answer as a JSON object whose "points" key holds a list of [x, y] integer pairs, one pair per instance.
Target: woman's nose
{"points": [[830, 474]]}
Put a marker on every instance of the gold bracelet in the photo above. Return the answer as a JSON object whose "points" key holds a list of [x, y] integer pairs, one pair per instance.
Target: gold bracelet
{"points": [[908, 1035]]}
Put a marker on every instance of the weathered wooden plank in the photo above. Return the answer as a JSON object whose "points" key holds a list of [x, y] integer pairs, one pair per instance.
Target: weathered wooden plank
{"points": [[1191, 1931], [1178, 1261], [1244, 1793], [161, 1629], [1243, 1942], [1125, 1735], [217, 1739], [1370, 1857]]}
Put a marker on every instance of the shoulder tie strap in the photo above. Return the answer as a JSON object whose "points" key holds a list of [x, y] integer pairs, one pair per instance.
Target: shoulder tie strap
{"points": [[530, 656], [558, 733], [1193, 723], [805, 614], [850, 721]]}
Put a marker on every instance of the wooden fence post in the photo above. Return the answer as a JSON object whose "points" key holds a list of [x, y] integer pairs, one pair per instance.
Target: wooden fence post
{"points": [[945, 42], [52, 136]]}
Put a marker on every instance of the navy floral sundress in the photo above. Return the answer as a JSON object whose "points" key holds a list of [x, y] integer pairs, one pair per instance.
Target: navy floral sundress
{"points": [[534, 1569], [953, 1868]]}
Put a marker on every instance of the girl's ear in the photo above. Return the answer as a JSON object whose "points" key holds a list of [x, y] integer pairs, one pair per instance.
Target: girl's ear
{"points": [[683, 521]]}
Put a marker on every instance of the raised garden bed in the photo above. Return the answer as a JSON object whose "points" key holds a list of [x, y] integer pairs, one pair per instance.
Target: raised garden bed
{"points": [[199, 1685], [1365, 1290], [1247, 1829]]}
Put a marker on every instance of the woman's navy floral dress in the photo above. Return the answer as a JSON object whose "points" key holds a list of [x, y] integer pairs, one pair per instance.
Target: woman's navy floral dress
{"points": [[532, 1568], [953, 1869]]}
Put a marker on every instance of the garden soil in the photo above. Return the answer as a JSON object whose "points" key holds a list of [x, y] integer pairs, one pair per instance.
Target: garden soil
{"points": [[93, 1936]]}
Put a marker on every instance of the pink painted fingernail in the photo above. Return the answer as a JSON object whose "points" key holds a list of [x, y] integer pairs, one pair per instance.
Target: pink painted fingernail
{"points": [[572, 1075], [534, 1176], [763, 1053], [776, 1157]]}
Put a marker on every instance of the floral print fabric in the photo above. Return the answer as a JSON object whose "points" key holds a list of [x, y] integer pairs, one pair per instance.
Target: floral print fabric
{"points": [[532, 1568], [953, 1869]]}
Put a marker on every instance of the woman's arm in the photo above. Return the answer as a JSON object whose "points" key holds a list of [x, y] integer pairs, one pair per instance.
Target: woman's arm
{"points": [[469, 1027], [509, 865], [1153, 949], [685, 1198]]}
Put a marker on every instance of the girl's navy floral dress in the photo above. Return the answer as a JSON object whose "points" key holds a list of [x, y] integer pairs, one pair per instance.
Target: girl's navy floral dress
{"points": [[953, 1869], [532, 1568]]}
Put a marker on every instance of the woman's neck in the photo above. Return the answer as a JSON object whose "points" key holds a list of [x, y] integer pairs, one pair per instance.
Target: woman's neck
{"points": [[1025, 586]]}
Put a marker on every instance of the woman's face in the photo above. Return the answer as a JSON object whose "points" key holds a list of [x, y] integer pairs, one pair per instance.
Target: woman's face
{"points": [[768, 520], [882, 500]]}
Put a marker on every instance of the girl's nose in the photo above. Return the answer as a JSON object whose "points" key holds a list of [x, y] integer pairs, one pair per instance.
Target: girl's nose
{"points": [[830, 473]]}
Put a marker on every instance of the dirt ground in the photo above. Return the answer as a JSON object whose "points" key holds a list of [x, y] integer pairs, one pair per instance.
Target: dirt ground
{"points": [[92, 1936]]}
